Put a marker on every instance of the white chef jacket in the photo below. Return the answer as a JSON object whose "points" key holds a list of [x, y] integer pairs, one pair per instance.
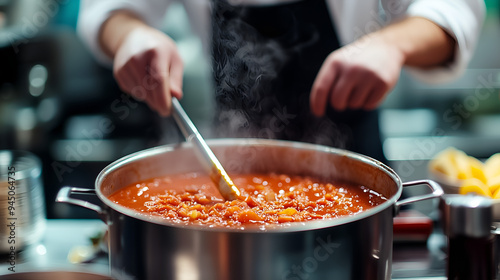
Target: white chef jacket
{"points": [[462, 19]]}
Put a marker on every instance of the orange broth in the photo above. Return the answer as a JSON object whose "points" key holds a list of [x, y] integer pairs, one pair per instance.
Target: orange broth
{"points": [[265, 199]]}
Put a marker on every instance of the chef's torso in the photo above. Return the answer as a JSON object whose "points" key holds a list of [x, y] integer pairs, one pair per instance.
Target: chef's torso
{"points": [[266, 58]]}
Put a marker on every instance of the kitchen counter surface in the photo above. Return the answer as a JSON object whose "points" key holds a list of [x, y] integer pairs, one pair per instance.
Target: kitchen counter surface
{"points": [[417, 261], [61, 235]]}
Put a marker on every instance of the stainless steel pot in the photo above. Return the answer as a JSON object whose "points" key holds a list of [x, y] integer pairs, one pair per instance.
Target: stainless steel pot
{"points": [[357, 247]]}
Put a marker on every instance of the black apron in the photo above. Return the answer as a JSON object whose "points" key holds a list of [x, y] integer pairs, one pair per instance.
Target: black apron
{"points": [[265, 60]]}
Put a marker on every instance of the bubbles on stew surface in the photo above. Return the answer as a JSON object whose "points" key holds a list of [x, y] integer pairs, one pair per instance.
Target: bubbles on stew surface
{"points": [[266, 199]]}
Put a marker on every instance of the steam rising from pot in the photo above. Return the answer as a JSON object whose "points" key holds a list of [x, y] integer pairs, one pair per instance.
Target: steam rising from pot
{"points": [[245, 64]]}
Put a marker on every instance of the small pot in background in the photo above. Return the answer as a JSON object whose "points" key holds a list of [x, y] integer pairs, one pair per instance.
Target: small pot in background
{"points": [[22, 204]]}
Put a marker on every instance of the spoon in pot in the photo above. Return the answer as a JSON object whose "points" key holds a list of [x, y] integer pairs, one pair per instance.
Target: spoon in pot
{"points": [[217, 173]]}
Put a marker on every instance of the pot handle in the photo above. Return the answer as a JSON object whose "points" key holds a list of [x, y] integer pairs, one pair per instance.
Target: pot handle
{"points": [[437, 191], [64, 196]]}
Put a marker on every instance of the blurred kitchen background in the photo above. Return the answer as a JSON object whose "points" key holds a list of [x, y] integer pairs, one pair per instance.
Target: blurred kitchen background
{"points": [[59, 103]]}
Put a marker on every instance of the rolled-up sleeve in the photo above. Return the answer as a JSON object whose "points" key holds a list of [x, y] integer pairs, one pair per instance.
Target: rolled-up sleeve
{"points": [[463, 20], [93, 14]]}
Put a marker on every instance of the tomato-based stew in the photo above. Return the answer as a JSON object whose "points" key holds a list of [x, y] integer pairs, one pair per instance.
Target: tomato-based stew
{"points": [[265, 199]]}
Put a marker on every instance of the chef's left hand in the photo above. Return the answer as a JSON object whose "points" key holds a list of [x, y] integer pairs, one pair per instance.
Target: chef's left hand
{"points": [[357, 76]]}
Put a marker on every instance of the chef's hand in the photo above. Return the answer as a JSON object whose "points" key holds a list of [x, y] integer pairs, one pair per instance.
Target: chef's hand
{"points": [[359, 75], [146, 62]]}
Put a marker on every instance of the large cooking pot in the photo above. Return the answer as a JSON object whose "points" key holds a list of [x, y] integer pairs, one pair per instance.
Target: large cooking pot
{"points": [[145, 247]]}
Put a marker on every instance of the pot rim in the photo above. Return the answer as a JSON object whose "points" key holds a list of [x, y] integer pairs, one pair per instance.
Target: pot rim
{"points": [[290, 227]]}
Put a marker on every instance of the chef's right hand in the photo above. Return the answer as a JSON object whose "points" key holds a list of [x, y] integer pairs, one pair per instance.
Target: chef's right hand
{"points": [[146, 63], [148, 66]]}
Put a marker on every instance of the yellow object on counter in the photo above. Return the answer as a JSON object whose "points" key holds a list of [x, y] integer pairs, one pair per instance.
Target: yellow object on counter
{"points": [[472, 175], [477, 169], [494, 186], [492, 166], [473, 185]]}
